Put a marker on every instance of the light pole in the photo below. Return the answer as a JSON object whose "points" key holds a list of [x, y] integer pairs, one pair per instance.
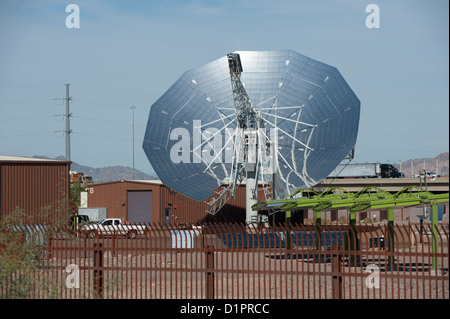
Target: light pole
{"points": [[68, 131], [133, 108]]}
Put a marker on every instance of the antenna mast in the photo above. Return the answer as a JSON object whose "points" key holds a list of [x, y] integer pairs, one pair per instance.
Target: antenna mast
{"points": [[249, 122]]}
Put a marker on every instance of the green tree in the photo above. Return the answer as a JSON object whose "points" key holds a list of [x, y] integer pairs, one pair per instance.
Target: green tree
{"points": [[18, 261]]}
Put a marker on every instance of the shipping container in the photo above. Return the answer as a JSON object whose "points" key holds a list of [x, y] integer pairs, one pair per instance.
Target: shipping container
{"points": [[367, 170]]}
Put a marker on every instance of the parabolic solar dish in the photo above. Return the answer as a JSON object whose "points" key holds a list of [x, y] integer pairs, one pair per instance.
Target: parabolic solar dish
{"points": [[192, 137]]}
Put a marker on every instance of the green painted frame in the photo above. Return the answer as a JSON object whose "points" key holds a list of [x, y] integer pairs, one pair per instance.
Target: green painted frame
{"points": [[366, 199]]}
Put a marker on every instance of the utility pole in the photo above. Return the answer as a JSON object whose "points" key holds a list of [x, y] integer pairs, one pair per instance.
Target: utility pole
{"points": [[133, 108], [68, 130]]}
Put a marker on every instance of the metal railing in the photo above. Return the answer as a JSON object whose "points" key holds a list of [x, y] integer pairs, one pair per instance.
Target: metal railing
{"points": [[228, 261]]}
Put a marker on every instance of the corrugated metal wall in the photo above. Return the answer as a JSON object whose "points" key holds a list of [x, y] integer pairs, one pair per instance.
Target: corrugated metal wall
{"points": [[113, 196], [183, 209], [41, 189], [187, 210]]}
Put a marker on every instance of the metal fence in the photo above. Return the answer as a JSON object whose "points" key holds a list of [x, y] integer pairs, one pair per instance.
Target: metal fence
{"points": [[228, 261]]}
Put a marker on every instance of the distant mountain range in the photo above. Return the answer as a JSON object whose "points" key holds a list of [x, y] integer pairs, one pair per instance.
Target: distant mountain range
{"points": [[438, 164], [106, 174]]}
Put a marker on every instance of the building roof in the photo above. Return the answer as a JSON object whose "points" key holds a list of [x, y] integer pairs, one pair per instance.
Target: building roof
{"points": [[138, 181], [22, 159]]}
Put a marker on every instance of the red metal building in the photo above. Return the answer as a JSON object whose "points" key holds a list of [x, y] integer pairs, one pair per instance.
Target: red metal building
{"points": [[153, 202], [40, 187]]}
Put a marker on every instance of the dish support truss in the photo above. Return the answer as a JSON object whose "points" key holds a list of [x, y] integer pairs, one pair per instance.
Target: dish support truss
{"points": [[255, 150]]}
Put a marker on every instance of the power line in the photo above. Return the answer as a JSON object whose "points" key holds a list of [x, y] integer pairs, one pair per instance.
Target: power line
{"points": [[103, 136], [103, 120], [108, 105], [28, 134], [28, 101], [29, 118]]}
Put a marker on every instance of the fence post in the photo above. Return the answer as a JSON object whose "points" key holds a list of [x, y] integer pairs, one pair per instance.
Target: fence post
{"points": [[288, 230], [114, 239], [49, 247], [352, 242], [434, 236], [318, 226], [98, 272], [209, 272], [391, 234], [336, 271]]}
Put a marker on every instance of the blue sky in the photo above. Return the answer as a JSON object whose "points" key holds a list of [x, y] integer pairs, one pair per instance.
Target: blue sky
{"points": [[130, 52]]}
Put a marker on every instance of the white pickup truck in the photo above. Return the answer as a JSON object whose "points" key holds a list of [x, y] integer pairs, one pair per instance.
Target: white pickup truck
{"points": [[114, 226], [430, 175]]}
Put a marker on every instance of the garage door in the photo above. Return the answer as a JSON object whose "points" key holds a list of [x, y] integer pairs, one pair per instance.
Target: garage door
{"points": [[140, 206]]}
